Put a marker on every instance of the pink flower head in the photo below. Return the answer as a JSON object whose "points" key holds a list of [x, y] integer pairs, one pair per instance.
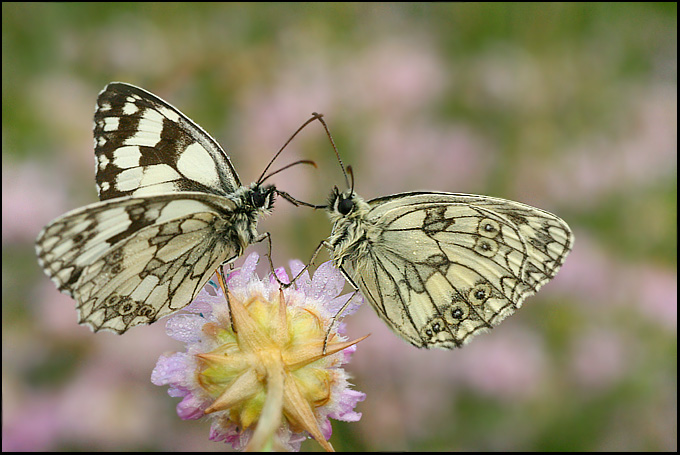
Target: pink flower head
{"points": [[256, 365]]}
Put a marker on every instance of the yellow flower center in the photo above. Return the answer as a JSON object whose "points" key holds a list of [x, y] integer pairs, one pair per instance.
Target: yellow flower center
{"points": [[271, 368]]}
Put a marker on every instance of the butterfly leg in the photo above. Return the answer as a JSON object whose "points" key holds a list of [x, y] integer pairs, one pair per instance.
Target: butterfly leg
{"points": [[230, 261], [311, 261], [223, 284], [335, 317], [267, 236], [342, 309]]}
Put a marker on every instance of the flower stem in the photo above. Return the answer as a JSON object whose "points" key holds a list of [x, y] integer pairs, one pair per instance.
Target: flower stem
{"points": [[270, 419]]}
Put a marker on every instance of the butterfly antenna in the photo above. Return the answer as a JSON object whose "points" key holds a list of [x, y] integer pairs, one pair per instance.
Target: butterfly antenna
{"points": [[262, 179], [328, 133], [287, 196], [315, 116], [351, 174]]}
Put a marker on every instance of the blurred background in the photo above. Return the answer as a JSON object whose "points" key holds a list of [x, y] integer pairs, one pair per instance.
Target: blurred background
{"points": [[568, 107]]}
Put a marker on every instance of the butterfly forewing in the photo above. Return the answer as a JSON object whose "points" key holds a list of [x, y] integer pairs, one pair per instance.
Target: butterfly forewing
{"points": [[440, 268], [143, 145]]}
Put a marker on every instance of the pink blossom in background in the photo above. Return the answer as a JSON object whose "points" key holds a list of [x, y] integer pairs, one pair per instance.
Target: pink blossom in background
{"points": [[393, 78], [31, 197], [600, 283], [600, 358], [508, 363], [31, 424], [657, 293], [511, 79], [594, 167], [424, 156]]}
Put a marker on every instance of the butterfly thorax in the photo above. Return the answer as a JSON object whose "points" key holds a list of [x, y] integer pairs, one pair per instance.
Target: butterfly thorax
{"points": [[353, 231], [251, 203]]}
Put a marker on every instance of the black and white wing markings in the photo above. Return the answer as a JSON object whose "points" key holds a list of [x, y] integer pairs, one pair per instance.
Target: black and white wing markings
{"points": [[440, 268], [173, 209], [144, 145], [131, 261]]}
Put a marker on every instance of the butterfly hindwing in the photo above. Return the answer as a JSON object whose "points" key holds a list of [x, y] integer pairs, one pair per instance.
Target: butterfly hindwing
{"points": [[130, 261], [144, 145]]}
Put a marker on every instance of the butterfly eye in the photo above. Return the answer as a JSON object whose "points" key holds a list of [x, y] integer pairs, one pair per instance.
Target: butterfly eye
{"points": [[345, 206], [258, 199]]}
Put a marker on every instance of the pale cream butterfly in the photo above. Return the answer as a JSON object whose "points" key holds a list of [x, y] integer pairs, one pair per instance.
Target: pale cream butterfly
{"points": [[440, 268]]}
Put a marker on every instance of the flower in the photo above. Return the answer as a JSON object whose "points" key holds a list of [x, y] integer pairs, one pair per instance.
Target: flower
{"points": [[256, 366]]}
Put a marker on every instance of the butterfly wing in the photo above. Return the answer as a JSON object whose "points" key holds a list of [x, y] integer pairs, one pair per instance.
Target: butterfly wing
{"points": [[130, 261], [144, 145], [444, 267]]}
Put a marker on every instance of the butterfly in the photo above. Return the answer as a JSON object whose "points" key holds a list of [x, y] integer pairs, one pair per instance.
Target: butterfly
{"points": [[440, 268], [172, 210]]}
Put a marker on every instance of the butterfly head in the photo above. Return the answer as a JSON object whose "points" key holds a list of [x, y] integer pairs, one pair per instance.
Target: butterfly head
{"points": [[261, 197], [345, 204]]}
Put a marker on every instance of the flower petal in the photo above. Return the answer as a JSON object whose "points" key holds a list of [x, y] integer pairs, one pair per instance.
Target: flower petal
{"points": [[296, 266], [335, 304], [190, 408], [172, 369], [345, 409], [185, 327], [240, 278]]}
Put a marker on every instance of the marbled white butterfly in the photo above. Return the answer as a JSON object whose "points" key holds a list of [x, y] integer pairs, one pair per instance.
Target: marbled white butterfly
{"points": [[172, 210], [439, 268]]}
